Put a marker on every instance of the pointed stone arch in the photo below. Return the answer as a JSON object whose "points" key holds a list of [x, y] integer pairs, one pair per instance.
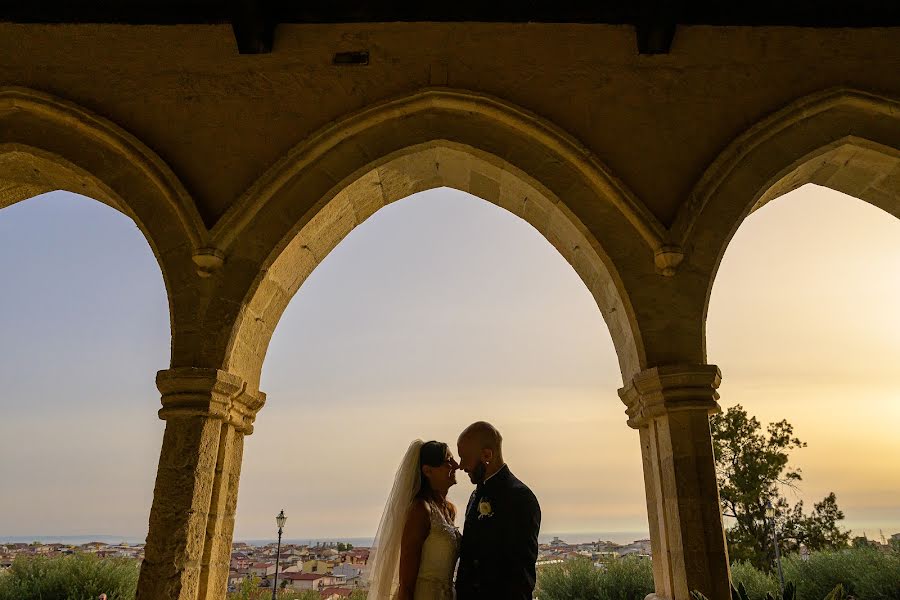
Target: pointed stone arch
{"points": [[47, 144], [308, 202], [847, 140]]}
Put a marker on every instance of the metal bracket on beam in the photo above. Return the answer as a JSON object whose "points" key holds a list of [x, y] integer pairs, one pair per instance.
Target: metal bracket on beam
{"points": [[253, 26]]}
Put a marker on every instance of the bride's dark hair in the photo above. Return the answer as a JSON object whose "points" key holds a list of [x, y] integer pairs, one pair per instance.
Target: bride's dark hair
{"points": [[433, 454]]}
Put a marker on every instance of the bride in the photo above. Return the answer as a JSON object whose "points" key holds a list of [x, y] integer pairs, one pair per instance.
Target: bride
{"points": [[417, 545]]}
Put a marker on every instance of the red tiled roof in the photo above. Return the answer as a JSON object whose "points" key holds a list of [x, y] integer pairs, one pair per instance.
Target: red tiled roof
{"points": [[302, 576]]}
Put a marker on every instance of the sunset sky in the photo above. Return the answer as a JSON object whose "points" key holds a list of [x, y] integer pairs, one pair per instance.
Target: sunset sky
{"points": [[440, 310]]}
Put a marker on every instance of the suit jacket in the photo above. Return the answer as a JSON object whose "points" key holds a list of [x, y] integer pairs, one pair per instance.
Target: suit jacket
{"points": [[500, 541]]}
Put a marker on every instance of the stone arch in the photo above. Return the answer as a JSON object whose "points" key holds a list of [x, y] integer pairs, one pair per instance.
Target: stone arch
{"points": [[325, 187], [855, 166], [50, 144], [846, 140]]}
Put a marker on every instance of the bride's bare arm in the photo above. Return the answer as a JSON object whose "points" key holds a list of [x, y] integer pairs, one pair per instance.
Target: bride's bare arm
{"points": [[418, 524]]}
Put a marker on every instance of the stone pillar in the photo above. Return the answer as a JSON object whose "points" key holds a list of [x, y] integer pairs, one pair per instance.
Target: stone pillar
{"points": [[207, 412], [670, 407]]}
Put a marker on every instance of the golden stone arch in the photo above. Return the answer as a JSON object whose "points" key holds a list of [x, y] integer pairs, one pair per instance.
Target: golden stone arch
{"points": [[325, 187], [50, 144], [846, 140]]}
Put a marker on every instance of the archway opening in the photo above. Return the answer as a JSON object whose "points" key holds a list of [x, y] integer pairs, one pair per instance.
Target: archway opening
{"points": [[85, 323], [412, 169], [439, 310], [803, 322]]}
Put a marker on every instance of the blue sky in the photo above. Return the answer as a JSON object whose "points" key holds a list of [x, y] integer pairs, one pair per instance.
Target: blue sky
{"points": [[439, 310]]}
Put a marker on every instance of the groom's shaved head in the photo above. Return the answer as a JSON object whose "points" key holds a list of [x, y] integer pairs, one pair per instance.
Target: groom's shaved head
{"points": [[484, 435], [480, 453]]}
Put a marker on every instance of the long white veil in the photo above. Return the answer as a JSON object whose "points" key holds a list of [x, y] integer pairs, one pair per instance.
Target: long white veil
{"points": [[384, 578]]}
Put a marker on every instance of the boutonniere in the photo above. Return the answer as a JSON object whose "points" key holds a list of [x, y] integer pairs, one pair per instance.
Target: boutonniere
{"points": [[485, 509]]}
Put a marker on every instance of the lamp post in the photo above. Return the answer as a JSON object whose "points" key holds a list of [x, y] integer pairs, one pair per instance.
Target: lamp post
{"points": [[770, 514], [280, 520]]}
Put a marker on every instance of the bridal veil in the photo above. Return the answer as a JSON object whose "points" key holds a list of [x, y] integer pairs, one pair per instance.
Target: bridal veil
{"points": [[384, 578]]}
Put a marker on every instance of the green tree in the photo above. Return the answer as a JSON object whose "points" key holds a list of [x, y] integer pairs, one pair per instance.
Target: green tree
{"points": [[752, 469], [818, 530], [249, 590]]}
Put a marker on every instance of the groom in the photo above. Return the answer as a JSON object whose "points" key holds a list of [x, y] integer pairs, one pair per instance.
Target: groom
{"points": [[500, 540]]}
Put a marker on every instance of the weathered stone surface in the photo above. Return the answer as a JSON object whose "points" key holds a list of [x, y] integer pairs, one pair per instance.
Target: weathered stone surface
{"points": [[207, 415], [670, 407]]}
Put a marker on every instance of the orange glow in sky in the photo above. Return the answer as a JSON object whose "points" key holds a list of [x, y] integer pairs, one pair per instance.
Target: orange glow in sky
{"points": [[439, 310]]}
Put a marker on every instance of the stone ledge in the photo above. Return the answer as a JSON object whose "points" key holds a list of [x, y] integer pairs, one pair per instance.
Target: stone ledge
{"points": [[211, 393], [655, 392]]}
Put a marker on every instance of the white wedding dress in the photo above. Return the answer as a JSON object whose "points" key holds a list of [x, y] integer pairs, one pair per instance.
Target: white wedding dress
{"points": [[439, 552], [438, 563]]}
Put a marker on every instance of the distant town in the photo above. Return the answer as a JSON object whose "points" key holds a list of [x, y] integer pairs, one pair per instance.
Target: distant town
{"points": [[334, 569]]}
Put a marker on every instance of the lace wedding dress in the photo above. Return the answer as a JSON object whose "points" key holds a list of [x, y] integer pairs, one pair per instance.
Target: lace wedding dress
{"points": [[439, 555], [439, 552]]}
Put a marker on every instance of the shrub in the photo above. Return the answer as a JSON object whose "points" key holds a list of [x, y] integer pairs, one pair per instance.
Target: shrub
{"points": [[76, 577], [757, 583], [573, 580], [866, 573], [627, 579], [579, 579], [249, 590]]}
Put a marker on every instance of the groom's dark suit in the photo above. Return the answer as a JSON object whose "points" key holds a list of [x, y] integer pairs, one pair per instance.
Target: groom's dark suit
{"points": [[500, 541]]}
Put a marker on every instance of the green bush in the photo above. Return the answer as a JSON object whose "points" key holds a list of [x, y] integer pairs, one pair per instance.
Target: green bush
{"points": [[249, 590], [76, 577], [757, 583], [628, 578], [866, 574], [579, 579], [573, 580]]}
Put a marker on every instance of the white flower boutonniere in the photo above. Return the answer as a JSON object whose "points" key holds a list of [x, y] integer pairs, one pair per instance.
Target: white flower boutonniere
{"points": [[485, 509]]}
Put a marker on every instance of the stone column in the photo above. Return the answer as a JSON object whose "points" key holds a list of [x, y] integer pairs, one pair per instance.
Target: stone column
{"points": [[207, 412], [670, 407]]}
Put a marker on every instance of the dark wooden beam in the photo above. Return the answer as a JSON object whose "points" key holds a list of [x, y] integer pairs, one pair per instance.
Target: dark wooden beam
{"points": [[655, 25], [655, 37], [254, 26], [796, 13], [655, 21]]}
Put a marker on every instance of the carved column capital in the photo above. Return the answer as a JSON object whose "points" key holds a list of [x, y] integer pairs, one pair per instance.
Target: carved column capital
{"points": [[661, 390], [211, 393]]}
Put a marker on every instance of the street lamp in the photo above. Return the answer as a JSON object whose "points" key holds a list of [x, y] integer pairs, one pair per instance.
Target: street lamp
{"points": [[280, 520], [770, 514]]}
